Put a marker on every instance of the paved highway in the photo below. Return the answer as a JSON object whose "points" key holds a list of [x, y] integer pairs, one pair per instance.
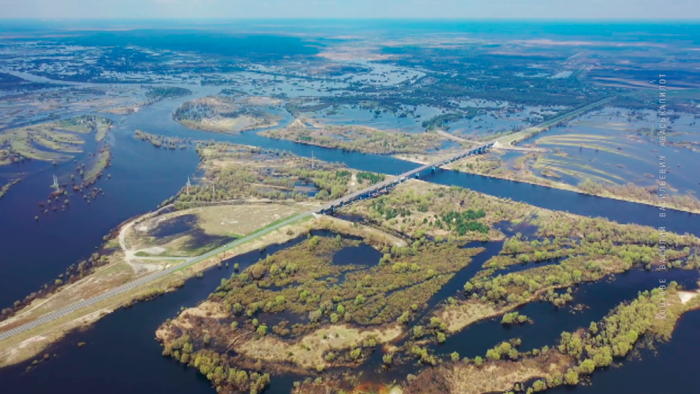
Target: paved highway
{"points": [[380, 188], [143, 280], [384, 186]]}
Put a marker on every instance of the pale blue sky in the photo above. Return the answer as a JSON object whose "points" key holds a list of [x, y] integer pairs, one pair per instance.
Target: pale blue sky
{"points": [[467, 9]]}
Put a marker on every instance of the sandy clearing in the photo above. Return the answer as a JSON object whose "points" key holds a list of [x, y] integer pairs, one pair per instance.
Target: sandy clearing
{"points": [[686, 296], [154, 250]]}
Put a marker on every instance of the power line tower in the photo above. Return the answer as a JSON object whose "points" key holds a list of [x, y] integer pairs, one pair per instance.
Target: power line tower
{"points": [[55, 184], [188, 185]]}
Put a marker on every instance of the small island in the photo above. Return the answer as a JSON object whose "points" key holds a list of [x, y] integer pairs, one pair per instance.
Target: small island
{"points": [[307, 311], [228, 113]]}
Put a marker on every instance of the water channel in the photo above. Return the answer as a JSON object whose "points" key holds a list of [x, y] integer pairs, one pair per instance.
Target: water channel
{"points": [[121, 354]]}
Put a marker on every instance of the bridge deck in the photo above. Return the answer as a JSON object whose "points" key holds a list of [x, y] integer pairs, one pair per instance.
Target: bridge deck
{"points": [[359, 195], [367, 192]]}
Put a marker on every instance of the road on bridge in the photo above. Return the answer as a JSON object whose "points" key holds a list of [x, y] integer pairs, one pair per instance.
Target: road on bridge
{"points": [[365, 193]]}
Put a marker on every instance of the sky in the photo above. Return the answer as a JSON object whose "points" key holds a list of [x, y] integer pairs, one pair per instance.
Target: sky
{"points": [[657, 10]]}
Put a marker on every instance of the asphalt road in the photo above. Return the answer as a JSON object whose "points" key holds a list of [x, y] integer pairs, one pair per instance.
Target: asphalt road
{"points": [[143, 280], [158, 275]]}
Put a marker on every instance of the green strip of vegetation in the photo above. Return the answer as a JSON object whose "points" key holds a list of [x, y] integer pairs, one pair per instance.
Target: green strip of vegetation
{"points": [[441, 121], [5, 188]]}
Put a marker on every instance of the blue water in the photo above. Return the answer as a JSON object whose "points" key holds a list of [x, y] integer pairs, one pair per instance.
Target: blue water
{"points": [[121, 354], [663, 30]]}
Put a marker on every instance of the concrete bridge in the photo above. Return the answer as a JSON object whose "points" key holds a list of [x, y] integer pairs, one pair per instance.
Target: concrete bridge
{"points": [[386, 186], [503, 142], [372, 191]]}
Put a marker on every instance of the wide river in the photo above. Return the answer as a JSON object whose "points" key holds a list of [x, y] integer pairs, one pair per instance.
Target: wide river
{"points": [[121, 354]]}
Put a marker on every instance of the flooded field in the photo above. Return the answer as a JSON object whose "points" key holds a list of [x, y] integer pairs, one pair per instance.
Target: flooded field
{"points": [[611, 152], [412, 291], [502, 119], [615, 145], [410, 121]]}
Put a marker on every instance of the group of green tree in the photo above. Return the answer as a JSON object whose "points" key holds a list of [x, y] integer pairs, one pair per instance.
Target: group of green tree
{"points": [[616, 334], [648, 318], [158, 93], [585, 249], [441, 121], [272, 174], [162, 141], [361, 139], [370, 177], [434, 212], [303, 280], [218, 368]]}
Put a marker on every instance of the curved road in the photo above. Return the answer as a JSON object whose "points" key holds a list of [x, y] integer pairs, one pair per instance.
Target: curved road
{"points": [[143, 280], [347, 199]]}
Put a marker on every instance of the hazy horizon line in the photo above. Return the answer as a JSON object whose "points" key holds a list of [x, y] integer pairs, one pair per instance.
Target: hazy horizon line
{"points": [[225, 19]]}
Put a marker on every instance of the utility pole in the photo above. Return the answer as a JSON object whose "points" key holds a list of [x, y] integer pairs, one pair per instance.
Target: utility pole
{"points": [[55, 184]]}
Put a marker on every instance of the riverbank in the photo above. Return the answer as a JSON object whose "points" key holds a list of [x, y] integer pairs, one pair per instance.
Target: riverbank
{"points": [[463, 166], [362, 139], [228, 114], [6, 187], [124, 267], [209, 216], [307, 311]]}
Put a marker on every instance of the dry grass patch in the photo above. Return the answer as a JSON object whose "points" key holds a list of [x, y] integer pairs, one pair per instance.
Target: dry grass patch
{"points": [[501, 376], [208, 309], [459, 316], [371, 235], [492, 377], [244, 219], [232, 220], [331, 338]]}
